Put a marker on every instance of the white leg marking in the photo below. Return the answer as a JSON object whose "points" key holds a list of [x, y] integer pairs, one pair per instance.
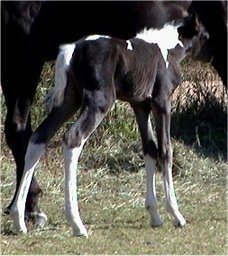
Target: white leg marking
{"points": [[151, 198], [171, 201], [71, 203], [32, 157]]}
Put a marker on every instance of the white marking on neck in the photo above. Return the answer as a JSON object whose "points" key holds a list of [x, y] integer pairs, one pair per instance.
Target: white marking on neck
{"points": [[95, 37], [129, 45], [166, 38]]}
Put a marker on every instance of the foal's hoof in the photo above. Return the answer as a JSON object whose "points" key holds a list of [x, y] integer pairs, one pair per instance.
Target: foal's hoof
{"points": [[156, 222], [82, 233], [6, 211], [22, 229], [179, 223], [19, 224]]}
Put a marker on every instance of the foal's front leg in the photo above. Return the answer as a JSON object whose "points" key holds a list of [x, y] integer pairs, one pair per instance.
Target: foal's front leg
{"points": [[163, 119], [150, 156]]}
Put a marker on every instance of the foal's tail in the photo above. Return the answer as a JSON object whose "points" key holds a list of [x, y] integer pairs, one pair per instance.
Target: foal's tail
{"points": [[55, 96]]}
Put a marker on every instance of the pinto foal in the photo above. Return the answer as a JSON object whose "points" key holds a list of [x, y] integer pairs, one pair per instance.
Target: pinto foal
{"points": [[91, 74]]}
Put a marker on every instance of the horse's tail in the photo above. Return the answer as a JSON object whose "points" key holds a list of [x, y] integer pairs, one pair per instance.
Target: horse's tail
{"points": [[55, 96]]}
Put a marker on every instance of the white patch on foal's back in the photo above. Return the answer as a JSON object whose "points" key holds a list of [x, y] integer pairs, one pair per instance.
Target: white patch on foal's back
{"points": [[166, 38], [55, 96], [95, 37], [129, 45]]}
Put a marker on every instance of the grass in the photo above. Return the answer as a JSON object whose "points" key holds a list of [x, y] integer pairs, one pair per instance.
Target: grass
{"points": [[112, 183]]}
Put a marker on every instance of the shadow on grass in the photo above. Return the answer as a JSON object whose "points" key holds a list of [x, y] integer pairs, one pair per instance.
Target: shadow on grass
{"points": [[203, 126], [7, 232], [200, 124]]}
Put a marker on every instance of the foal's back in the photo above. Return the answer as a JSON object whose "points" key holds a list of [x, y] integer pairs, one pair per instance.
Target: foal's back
{"points": [[130, 68]]}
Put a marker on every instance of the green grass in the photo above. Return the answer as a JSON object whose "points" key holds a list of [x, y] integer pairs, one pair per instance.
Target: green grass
{"points": [[112, 188]]}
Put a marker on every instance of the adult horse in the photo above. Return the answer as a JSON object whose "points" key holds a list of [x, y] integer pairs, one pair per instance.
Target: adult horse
{"points": [[33, 31], [213, 15]]}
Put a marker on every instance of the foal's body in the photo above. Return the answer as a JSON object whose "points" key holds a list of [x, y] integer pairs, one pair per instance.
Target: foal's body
{"points": [[92, 74]]}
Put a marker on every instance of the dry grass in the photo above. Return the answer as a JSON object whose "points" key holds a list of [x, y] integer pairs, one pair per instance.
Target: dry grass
{"points": [[112, 182], [199, 81], [200, 111]]}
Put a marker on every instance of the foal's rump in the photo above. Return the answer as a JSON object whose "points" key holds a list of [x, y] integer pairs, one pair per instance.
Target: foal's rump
{"points": [[55, 96], [92, 61]]}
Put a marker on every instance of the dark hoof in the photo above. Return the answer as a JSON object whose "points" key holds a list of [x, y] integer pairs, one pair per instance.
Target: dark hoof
{"points": [[6, 211]]}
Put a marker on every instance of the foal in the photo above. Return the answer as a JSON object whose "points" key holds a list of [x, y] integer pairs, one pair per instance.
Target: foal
{"points": [[91, 74]]}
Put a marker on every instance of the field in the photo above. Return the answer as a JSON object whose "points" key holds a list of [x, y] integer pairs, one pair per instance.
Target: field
{"points": [[111, 180]]}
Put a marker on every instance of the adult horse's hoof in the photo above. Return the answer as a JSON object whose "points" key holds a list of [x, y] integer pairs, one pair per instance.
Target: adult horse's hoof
{"points": [[40, 219]]}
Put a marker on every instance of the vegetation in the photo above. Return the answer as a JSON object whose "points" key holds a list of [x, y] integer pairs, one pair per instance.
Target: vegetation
{"points": [[112, 180]]}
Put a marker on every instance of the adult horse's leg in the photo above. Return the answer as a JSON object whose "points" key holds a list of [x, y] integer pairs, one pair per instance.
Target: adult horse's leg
{"points": [[150, 155], [19, 83]]}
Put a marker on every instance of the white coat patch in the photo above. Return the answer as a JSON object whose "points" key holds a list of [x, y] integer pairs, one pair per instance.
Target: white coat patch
{"points": [[129, 45], [166, 38], [95, 37], [55, 96]]}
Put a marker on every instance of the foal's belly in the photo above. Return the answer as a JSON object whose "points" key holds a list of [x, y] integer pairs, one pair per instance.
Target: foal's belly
{"points": [[135, 87]]}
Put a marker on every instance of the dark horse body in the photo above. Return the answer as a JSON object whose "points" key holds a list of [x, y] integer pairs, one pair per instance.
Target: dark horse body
{"points": [[33, 31]]}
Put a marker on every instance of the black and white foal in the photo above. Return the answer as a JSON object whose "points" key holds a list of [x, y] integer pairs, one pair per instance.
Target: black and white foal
{"points": [[91, 74]]}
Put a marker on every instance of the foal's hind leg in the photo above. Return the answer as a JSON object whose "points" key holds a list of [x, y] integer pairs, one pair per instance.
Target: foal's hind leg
{"points": [[35, 150], [150, 156], [163, 118], [93, 111]]}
